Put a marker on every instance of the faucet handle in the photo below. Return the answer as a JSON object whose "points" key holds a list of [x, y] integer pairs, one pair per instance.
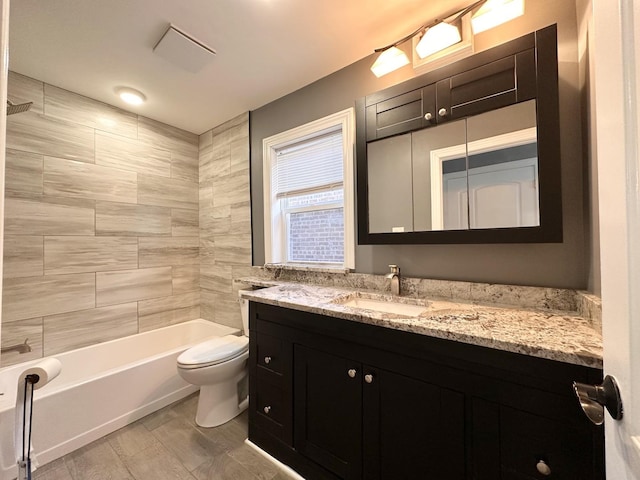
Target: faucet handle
{"points": [[394, 268]]}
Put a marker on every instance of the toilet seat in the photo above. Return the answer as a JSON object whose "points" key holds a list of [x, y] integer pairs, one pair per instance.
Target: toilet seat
{"points": [[214, 351]]}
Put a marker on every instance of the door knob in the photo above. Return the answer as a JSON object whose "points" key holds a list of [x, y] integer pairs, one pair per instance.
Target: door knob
{"points": [[595, 398]]}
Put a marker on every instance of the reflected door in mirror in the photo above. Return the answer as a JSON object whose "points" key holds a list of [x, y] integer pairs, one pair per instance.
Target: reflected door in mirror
{"points": [[492, 181], [503, 168]]}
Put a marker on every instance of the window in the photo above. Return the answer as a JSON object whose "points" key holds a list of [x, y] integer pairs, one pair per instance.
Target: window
{"points": [[308, 193]]}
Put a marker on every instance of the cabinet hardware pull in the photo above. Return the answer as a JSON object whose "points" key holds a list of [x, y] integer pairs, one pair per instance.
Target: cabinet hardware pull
{"points": [[442, 112], [267, 360], [352, 372], [267, 409], [543, 468], [368, 378], [428, 116]]}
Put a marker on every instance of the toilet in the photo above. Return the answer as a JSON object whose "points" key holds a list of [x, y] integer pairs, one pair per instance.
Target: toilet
{"points": [[219, 367]]}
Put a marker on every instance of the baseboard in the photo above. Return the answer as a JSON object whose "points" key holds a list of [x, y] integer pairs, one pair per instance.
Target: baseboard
{"points": [[285, 468]]}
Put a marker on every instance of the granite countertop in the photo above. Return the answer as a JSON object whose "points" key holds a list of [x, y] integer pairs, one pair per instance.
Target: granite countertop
{"points": [[555, 335]]}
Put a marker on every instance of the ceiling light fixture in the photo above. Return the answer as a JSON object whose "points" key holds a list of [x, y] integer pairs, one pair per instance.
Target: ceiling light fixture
{"points": [[131, 95], [496, 12], [440, 34]]}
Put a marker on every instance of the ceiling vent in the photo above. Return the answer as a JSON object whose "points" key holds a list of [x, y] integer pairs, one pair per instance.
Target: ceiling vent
{"points": [[183, 50]]}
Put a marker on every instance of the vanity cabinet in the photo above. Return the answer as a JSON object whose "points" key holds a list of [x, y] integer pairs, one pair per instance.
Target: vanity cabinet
{"points": [[357, 401], [362, 421]]}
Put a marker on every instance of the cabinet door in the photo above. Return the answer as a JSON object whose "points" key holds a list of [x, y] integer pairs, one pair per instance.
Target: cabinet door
{"points": [[412, 429], [328, 411], [494, 85], [401, 113]]}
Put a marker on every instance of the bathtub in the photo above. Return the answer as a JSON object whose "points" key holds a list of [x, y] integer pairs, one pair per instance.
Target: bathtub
{"points": [[101, 388]]}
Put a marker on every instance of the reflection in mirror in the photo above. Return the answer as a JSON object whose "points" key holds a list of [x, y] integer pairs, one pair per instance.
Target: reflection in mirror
{"points": [[440, 202], [503, 168], [389, 180], [475, 173]]}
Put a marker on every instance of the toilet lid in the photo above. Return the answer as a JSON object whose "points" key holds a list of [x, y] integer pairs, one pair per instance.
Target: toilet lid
{"points": [[211, 352]]}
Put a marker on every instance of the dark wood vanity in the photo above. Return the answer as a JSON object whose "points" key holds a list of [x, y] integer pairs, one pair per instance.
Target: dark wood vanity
{"points": [[336, 399]]}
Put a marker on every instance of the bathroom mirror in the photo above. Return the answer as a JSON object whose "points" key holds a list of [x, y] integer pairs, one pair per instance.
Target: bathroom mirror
{"points": [[488, 172], [474, 173]]}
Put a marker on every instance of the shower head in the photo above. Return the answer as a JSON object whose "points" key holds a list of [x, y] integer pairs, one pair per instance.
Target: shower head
{"points": [[17, 108]]}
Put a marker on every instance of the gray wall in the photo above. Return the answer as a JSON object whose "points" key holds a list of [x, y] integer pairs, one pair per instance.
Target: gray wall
{"points": [[555, 265], [592, 214]]}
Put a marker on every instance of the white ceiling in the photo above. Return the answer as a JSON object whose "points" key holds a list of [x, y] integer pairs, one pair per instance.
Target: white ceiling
{"points": [[265, 48]]}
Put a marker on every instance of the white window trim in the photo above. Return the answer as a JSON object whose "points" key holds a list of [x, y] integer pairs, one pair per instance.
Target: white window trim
{"points": [[274, 230]]}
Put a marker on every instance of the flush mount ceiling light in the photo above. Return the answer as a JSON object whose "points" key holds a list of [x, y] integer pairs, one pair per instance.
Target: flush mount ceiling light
{"points": [[438, 37], [496, 12], [441, 34], [131, 95]]}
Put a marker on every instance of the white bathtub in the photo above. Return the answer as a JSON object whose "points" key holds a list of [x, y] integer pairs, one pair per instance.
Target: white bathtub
{"points": [[101, 388]]}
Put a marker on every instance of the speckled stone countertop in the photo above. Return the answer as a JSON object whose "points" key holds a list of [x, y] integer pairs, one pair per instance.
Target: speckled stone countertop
{"points": [[552, 334]]}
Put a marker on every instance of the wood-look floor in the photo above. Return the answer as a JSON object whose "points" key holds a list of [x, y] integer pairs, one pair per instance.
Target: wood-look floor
{"points": [[167, 445]]}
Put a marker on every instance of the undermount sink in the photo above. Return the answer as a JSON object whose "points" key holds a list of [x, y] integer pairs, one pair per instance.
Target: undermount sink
{"points": [[386, 305]]}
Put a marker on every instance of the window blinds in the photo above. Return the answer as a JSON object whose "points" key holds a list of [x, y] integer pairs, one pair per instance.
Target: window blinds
{"points": [[309, 165]]}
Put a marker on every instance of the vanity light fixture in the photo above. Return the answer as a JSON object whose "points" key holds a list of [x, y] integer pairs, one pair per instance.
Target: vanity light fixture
{"points": [[441, 34], [131, 95], [389, 60], [496, 12], [438, 37]]}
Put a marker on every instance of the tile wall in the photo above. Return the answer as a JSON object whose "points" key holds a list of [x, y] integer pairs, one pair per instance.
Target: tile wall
{"points": [[101, 221], [225, 219]]}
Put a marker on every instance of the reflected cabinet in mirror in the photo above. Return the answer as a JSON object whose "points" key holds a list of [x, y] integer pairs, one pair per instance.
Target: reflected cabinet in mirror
{"points": [[466, 154]]}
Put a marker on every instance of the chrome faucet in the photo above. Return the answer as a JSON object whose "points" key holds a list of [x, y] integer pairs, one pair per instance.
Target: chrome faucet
{"points": [[394, 276], [20, 348]]}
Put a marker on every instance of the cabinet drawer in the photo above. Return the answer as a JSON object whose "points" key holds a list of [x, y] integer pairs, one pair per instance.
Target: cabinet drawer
{"points": [[526, 439], [270, 353], [270, 407]]}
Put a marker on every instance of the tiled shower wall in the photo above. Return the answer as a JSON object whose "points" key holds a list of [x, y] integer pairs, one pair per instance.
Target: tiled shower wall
{"points": [[225, 219], [101, 222]]}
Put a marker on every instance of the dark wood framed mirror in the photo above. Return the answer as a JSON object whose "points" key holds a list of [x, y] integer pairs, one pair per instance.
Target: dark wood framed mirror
{"points": [[468, 153]]}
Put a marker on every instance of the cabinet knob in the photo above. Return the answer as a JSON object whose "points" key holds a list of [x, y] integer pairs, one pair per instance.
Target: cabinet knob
{"points": [[352, 372], [428, 116], [267, 409], [267, 360], [543, 468], [442, 112], [368, 378]]}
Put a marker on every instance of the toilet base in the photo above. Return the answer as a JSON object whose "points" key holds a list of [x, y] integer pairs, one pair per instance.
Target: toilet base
{"points": [[219, 403]]}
